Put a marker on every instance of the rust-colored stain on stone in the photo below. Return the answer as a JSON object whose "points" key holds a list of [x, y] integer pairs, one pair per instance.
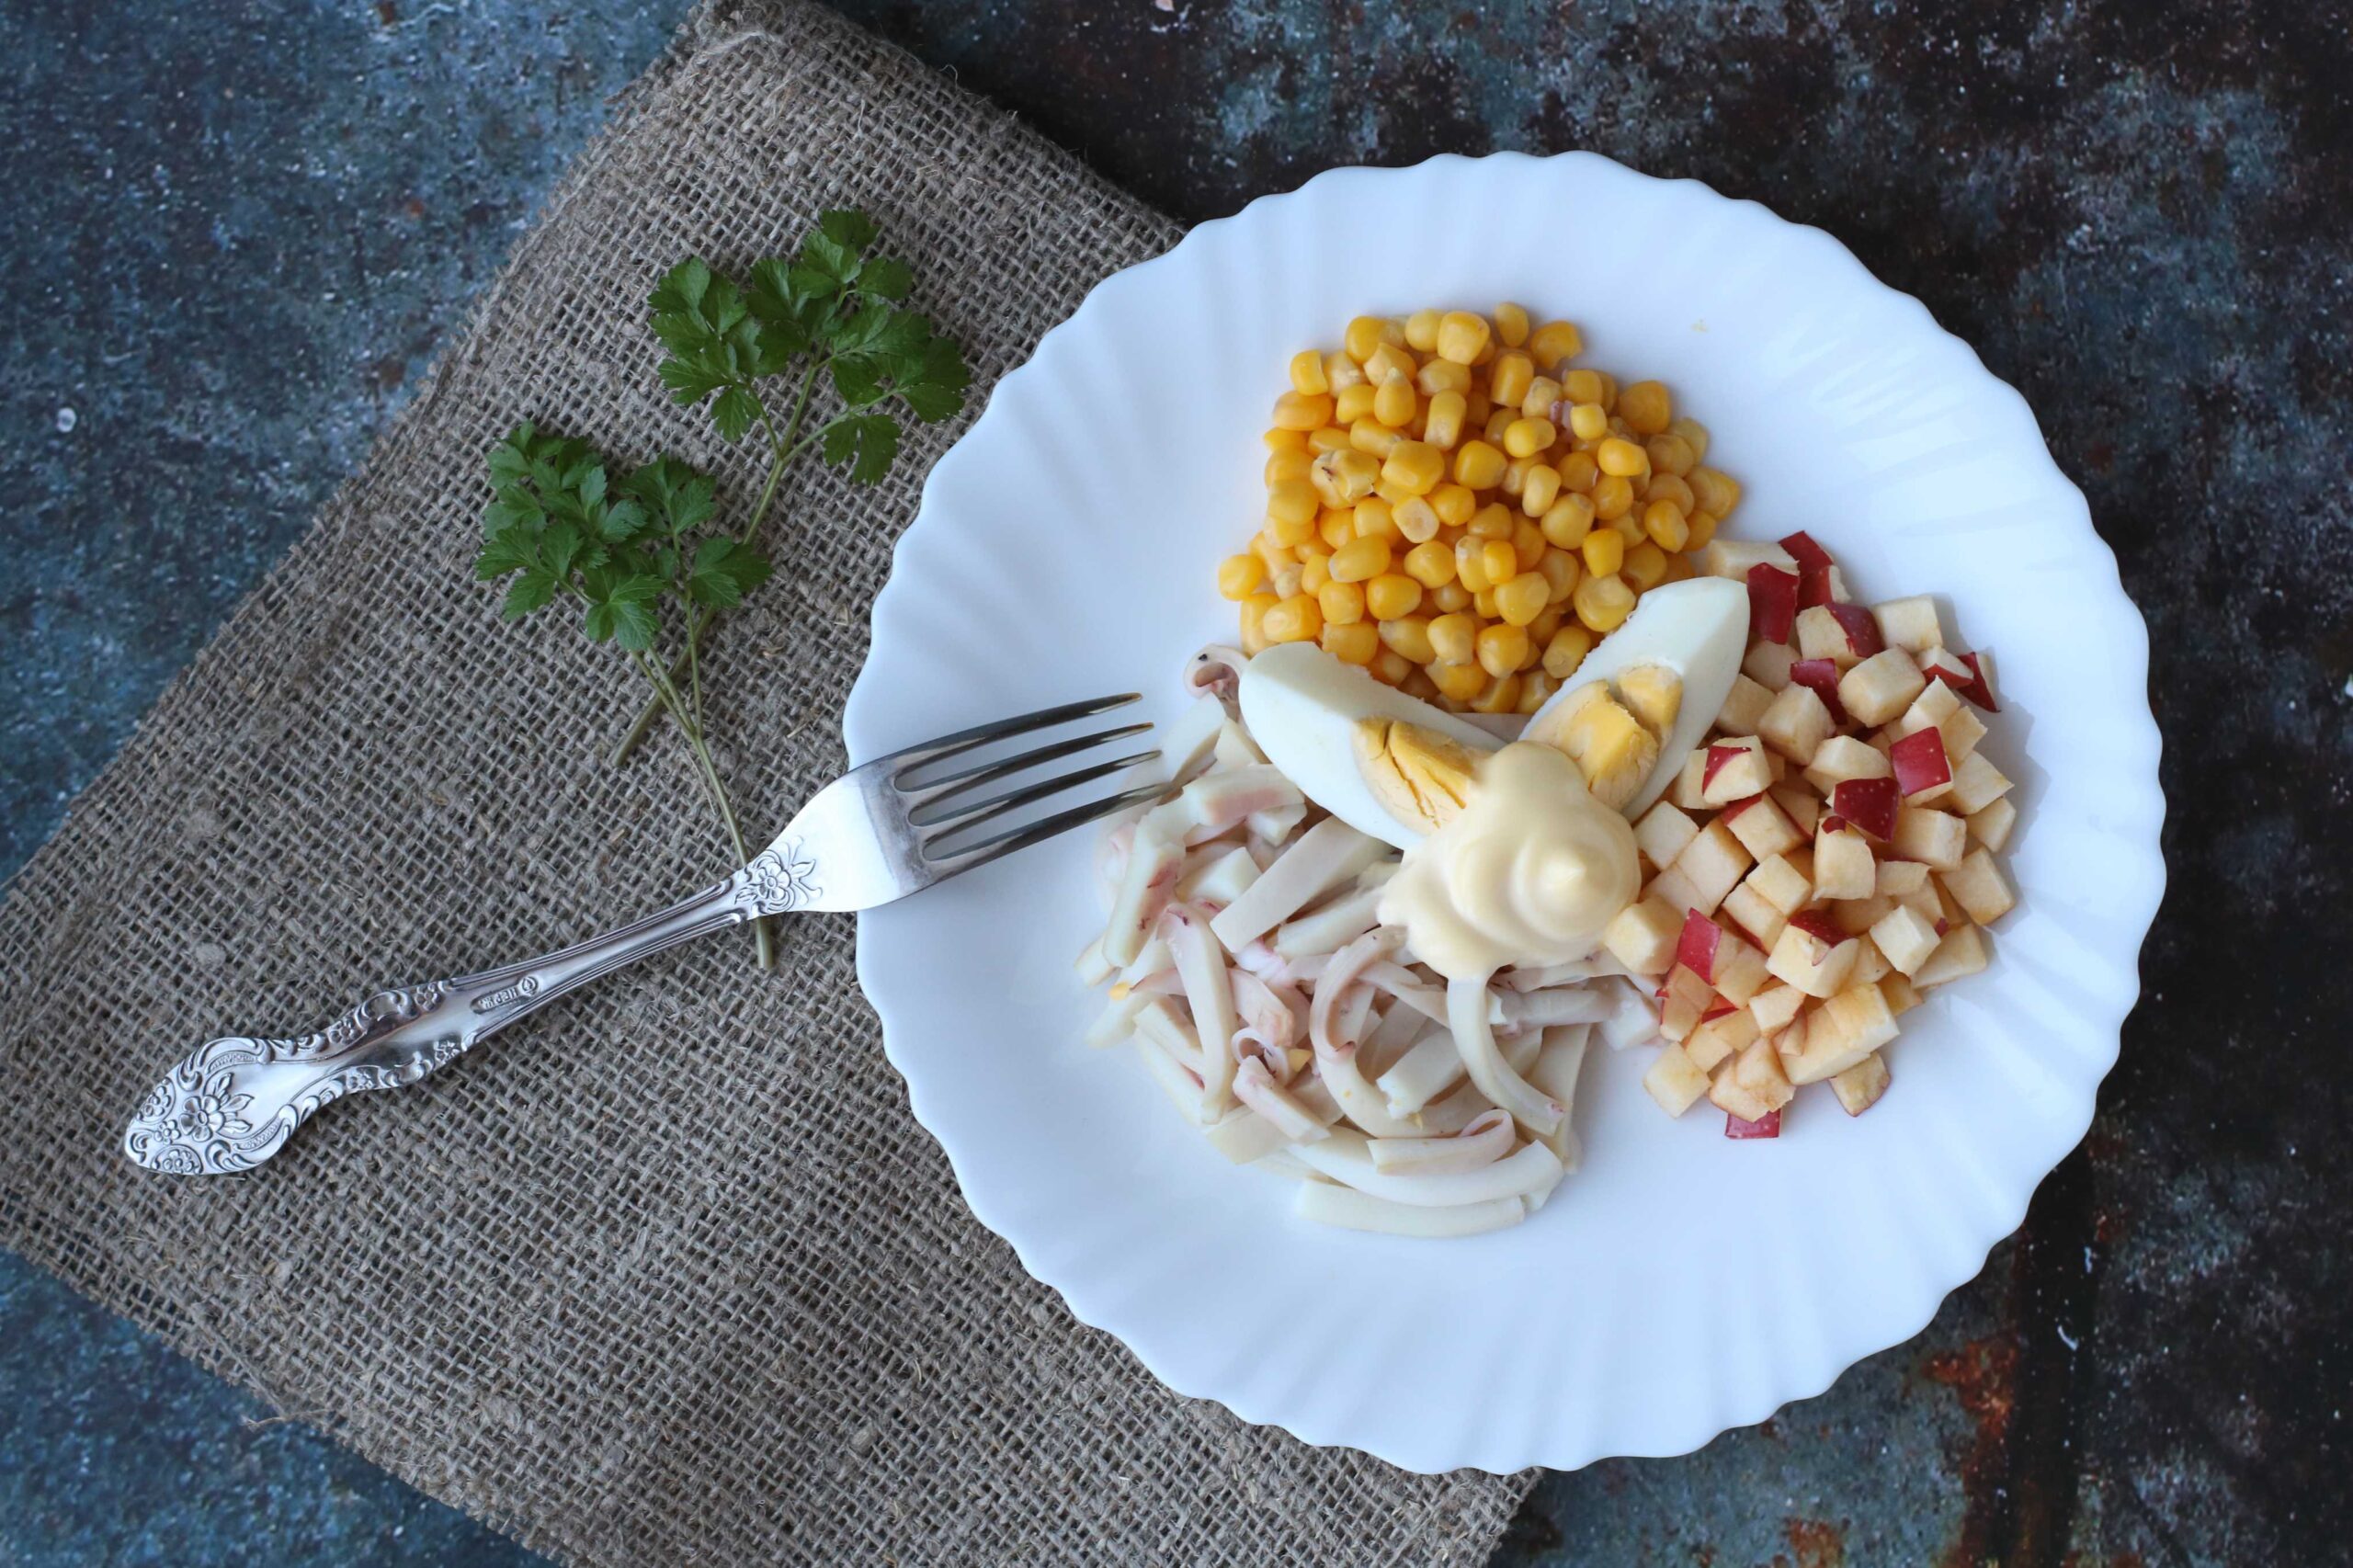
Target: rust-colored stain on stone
{"points": [[1982, 1374], [1814, 1544]]}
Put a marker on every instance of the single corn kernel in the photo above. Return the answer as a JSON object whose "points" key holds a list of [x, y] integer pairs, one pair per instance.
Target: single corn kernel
{"points": [[1416, 466], [1668, 487], [1567, 520], [1609, 390], [1342, 478], [1525, 438], [1288, 579], [1340, 372], [1560, 568], [1679, 569], [1702, 531], [1450, 598], [1478, 465], [1352, 403], [1270, 549], [1527, 543], [1416, 521], [1540, 490], [1392, 668], [1390, 595], [1714, 490], [1430, 564], [1469, 564], [1509, 376], [1294, 463], [1620, 456], [1388, 362], [1585, 386], [1603, 603], [1613, 497], [1459, 681], [1285, 440], [1421, 331], [1292, 532], [1342, 604], [1477, 409], [1357, 642], [1628, 526], [1540, 630], [1418, 684], [1374, 518], [1445, 427], [1501, 649], [1359, 559], [1463, 337], [1454, 503], [1534, 690], [1307, 376], [1664, 522], [1330, 438], [1337, 527], [1290, 500], [1566, 652], [1587, 422], [1455, 637], [1646, 406], [1523, 598], [1491, 521], [1693, 434], [1511, 324], [1301, 411], [1553, 342], [1482, 604], [1294, 620], [1515, 479], [1669, 454], [1543, 392], [1239, 577], [1254, 620], [1443, 376], [1498, 560], [1370, 435], [1501, 696], [1395, 404], [1367, 333], [1579, 472], [1409, 637], [1498, 421], [1645, 566], [1603, 553], [1314, 571]]}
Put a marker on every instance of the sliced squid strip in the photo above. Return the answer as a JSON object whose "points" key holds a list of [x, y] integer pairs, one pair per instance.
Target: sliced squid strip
{"points": [[1236, 749], [1216, 673], [1349, 1210], [1331, 927], [1336, 1055], [1343, 1157], [1432, 1067], [1544, 1009], [1555, 1073], [1224, 874], [1116, 1022], [1201, 964], [1274, 827], [1146, 883], [1183, 1089], [1466, 1012], [1324, 857], [1274, 1018], [1216, 801], [1161, 1023], [1255, 1088], [1189, 744], [1094, 969], [1487, 1138]]}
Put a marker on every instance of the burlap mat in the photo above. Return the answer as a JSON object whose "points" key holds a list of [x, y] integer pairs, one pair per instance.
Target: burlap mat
{"points": [[667, 1274]]}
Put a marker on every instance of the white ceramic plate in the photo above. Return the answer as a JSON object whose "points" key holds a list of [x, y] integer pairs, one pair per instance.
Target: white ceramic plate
{"points": [[1680, 1284]]}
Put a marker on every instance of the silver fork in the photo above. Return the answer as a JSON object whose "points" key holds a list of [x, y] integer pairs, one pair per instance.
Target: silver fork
{"points": [[874, 835]]}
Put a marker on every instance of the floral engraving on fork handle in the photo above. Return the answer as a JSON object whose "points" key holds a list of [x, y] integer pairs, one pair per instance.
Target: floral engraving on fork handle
{"points": [[231, 1105], [780, 879]]}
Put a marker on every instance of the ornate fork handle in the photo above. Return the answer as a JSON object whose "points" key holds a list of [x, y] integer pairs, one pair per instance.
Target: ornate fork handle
{"points": [[234, 1102]]}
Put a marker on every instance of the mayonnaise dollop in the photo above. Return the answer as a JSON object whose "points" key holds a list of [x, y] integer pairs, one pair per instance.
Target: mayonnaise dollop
{"points": [[1529, 873]]}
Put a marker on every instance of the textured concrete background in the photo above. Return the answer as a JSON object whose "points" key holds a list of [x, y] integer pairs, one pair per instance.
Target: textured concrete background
{"points": [[231, 239]]}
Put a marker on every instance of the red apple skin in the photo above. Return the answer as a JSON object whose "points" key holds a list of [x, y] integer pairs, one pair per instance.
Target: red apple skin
{"points": [[1717, 757], [1769, 1127], [1814, 589], [1861, 627], [1821, 677], [1816, 925], [1977, 691], [1809, 555], [1696, 950], [1870, 804], [1920, 762], [1733, 810], [1772, 602]]}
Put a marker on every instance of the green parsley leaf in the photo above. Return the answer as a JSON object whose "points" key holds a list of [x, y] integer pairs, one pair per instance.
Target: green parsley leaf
{"points": [[508, 551], [846, 227], [885, 278], [725, 570], [534, 588], [734, 411], [868, 442]]}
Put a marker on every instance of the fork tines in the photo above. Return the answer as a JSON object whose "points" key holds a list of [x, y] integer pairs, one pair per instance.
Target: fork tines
{"points": [[944, 807]]}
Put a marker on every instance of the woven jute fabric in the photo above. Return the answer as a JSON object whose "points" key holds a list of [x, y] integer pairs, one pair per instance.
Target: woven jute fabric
{"points": [[668, 1273]]}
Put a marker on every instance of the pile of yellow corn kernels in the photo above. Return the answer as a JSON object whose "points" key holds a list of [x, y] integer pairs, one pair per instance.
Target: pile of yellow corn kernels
{"points": [[1452, 508]]}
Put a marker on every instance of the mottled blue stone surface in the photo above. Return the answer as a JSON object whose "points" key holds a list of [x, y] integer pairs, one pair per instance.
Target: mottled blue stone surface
{"points": [[235, 232]]}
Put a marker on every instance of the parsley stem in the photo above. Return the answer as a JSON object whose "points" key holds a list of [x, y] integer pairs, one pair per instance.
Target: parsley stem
{"points": [[666, 694], [782, 450]]}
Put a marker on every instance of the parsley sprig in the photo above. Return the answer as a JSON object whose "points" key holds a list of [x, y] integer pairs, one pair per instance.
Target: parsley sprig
{"points": [[644, 555]]}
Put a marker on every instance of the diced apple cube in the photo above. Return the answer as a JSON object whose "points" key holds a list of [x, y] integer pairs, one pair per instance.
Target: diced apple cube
{"points": [[1821, 636], [1740, 973], [1922, 772], [1774, 1006], [1768, 664], [1683, 1001], [1673, 888], [1742, 706], [1871, 964], [1906, 937], [1842, 757], [1749, 909], [1733, 557], [1665, 829], [1902, 996], [1961, 953], [1644, 935], [1897, 878], [1763, 828], [1910, 624], [1976, 784], [1815, 965], [1754, 1087], [1991, 826], [1803, 806], [1690, 785], [1676, 1081], [1843, 866], [1719, 1038], [1880, 686], [1779, 882], [1859, 1087], [1924, 833], [1939, 708], [1944, 665], [1734, 769], [1714, 862], [1796, 725], [1840, 1033], [1978, 885], [1854, 916]]}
